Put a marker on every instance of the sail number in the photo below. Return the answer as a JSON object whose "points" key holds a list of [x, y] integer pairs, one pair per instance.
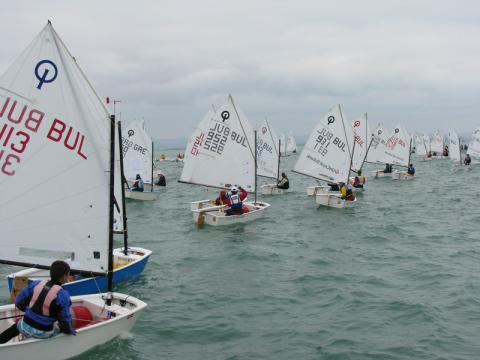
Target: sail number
{"points": [[323, 141], [217, 138]]}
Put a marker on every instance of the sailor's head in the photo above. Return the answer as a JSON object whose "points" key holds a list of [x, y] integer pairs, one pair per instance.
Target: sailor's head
{"points": [[59, 271], [359, 172], [284, 175], [138, 177], [233, 190], [159, 172]]}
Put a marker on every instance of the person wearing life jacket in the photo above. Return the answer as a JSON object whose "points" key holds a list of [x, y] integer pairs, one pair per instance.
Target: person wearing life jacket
{"points": [[359, 180], [284, 183], [235, 200], [45, 303], [445, 150], [388, 168], [429, 155], [346, 191], [138, 184], [411, 170], [467, 159], [161, 181]]}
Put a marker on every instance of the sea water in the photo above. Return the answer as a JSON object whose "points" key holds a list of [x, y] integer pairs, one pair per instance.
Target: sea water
{"points": [[395, 277]]}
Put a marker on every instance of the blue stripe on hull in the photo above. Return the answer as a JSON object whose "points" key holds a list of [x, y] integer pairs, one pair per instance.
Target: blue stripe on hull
{"points": [[92, 285]]}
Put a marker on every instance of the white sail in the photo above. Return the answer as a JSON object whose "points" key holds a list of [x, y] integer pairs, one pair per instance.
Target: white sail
{"points": [[426, 141], [291, 145], [454, 146], [267, 151], [54, 163], [420, 147], [221, 150], [376, 153], [326, 154], [474, 145], [137, 152], [397, 147], [437, 143], [362, 141], [118, 185]]}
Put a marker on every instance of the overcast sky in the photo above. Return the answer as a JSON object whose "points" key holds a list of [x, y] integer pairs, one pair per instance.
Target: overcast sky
{"points": [[409, 61]]}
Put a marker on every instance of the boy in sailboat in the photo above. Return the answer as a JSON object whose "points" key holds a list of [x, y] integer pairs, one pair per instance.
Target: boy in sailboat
{"points": [[235, 200], [359, 180], [44, 303], [284, 183], [467, 159], [346, 191], [161, 181], [411, 170], [138, 184]]}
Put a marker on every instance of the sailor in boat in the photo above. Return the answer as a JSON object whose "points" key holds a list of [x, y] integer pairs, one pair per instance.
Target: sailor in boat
{"points": [[138, 184], [161, 181], [388, 169], [359, 180], [44, 303], [284, 183], [467, 159], [411, 170], [346, 191], [235, 200], [445, 151], [429, 155]]}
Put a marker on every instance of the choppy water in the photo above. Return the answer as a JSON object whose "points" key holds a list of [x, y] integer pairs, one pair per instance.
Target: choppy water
{"points": [[397, 277]]}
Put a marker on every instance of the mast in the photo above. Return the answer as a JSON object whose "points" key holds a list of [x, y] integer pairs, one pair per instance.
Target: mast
{"points": [[124, 206], [278, 166], [255, 132], [110, 215], [409, 153], [152, 168], [351, 157]]}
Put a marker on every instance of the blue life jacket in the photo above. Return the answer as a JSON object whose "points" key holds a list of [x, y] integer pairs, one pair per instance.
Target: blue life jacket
{"points": [[235, 202]]}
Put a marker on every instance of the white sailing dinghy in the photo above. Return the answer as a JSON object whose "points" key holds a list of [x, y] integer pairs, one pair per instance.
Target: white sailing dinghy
{"points": [[58, 132], [221, 153], [138, 159], [268, 158], [474, 145], [376, 153], [288, 144], [326, 157], [436, 145], [454, 148], [420, 147], [363, 141]]}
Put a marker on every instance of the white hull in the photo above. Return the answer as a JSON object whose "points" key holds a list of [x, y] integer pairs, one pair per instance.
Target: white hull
{"points": [[142, 195], [272, 189], [402, 175], [325, 189], [380, 174], [216, 216], [67, 346], [333, 200]]}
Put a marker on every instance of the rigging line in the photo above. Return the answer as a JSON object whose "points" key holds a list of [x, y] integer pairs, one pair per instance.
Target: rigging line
{"points": [[241, 125]]}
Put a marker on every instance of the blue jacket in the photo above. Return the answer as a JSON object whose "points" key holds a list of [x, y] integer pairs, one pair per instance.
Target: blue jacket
{"points": [[59, 310]]}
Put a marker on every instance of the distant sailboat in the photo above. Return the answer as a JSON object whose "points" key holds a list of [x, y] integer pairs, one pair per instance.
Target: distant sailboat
{"points": [[268, 158], [437, 146], [220, 153], [474, 145], [454, 148], [138, 159], [60, 134]]}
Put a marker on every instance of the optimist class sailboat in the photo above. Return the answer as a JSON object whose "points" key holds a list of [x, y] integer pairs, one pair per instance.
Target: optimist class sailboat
{"points": [[220, 153], [326, 156], [60, 134], [138, 159], [268, 158]]}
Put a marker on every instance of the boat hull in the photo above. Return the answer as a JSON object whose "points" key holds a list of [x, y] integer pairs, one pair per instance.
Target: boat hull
{"points": [[272, 189], [333, 200], [135, 261], [142, 195], [215, 215], [67, 346]]}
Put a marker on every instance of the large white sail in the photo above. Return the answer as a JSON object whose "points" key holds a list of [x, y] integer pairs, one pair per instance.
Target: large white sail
{"points": [[454, 146], [137, 152], [362, 141], [474, 145], [326, 154], [397, 147], [437, 143], [376, 153], [267, 151], [221, 150], [54, 160]]}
